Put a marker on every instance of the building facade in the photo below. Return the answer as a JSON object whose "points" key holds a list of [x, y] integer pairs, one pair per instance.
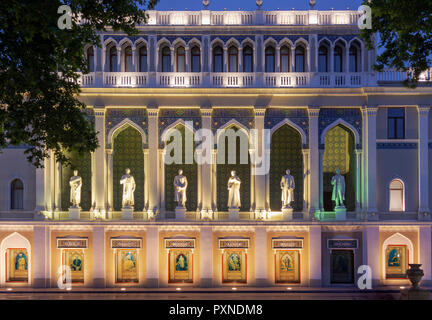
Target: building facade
{"points": [[306, 78]]}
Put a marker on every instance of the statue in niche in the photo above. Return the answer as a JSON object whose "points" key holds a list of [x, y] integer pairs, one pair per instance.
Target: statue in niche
{"points": [[338, 195], [180, 186], [129, 186], [75, 183], [234, 191], [287, 185]]}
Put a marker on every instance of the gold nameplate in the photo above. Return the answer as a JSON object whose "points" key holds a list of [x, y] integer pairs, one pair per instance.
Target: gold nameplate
{"points": [[72, 243], [287, 243]]}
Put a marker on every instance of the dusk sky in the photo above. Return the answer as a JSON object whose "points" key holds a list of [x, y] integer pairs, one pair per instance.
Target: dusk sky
{"points": [[250, 4]]}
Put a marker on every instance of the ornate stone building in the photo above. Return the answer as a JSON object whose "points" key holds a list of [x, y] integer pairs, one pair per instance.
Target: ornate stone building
{"points": [[305, 76]]}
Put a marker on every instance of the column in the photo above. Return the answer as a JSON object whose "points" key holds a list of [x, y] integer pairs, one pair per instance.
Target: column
{"points": [[172, 59], [306, 173], [331, 59], [206, 254], [214, 180], [187, 58], [240, 59], [110, 176], [152, 256], [100, 164], [321, 180], [315, 256], [225, 52], [314, 163], [47, 182], [206, 169], [134, 60], [260, 257], [371, 252], [267, 187], [161, 184], [260, 175], [371, 113], [358, 157], [98, 257], [146, 179], [41, 258], [423, 156], [119, 59], [293, 59], [252, 155], [199, 182], [40, 191], [153, 161], [425, 254], [278, 58], [57, 186]]}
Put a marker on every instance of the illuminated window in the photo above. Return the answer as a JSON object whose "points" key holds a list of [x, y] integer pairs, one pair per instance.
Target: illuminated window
{"points": [[166, 59], [284, 59], [17, 194], [247, 59], [397, 202], [143, 59], [195, 59], [217, 59], [270, 59], [396, 123], [232, 59], [90, 59], [128, 59], [181, 59]]}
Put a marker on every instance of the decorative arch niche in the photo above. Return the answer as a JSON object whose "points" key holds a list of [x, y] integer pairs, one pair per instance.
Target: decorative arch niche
{"points": [[10, 247]]}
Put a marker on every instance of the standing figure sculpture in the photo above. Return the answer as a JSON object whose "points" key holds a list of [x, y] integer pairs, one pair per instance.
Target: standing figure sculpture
{"points": [[287, 185], [75, 183], [129, 186], [234, 191], [180, 185], [338, 195]]}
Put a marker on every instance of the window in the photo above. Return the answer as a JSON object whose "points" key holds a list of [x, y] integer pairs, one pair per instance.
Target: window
{"points": [[17, 193], [90, 59], [166, 59], [113, 59], [232, 59], [270, 59], [284, 59], [299, 59], [396, 123], [353, 59], [217, 59], [338, 59], [247, 59], [195, 59], [181, 59], [128, 59], [143, 59], [396, 196], [322, 59]]}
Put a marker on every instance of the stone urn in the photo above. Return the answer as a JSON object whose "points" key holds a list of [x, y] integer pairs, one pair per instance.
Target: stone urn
{"points": [[415, 274]]}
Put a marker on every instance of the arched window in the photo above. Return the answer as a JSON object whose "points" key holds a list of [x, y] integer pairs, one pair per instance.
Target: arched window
{"points": [[353, 59], [128, 59], [299, 59], [247, 59], [90, 59], [270, 59], [217, 59], [113, 59], [322, 59], [166, 59], [397, 202], [284, 59], [143, 59], [338, 61], [181, 59], [232, 59], [195, 59], [17, 194]]}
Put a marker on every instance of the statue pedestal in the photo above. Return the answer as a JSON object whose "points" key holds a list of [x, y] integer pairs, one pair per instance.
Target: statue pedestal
{"points": [[127, 213], [287, 214], [233, 213], [180, 213], [340, 213], [415, 294], [74, 213]]}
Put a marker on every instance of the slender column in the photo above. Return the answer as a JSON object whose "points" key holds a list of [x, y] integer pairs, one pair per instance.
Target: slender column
{"points": [[187, 57], [261, 252], [252, 154], [40, 190], [47, 182], [278, 59], [331, 59], [110, 176], [134, 69], [153, 161], [423, 156], [315, 256], [100, 167], [206, 253], [199, 181], [371, 252], [99, 257], [371, 113], [214, 184], [358, 156], [161, 157], [57, 187], [41, 257], [152, 257], [306, 188], [53, 182], [225, 52], [93, 181], [267, 187], [321, 179], [146, 178], [425, 242], [206, 169], [259, 175], [172, 59], [314, 163], [293, 59], [118, 59], [362, 59], [240, 59]]}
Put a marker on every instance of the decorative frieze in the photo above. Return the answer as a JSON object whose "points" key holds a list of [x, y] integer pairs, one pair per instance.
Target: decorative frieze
{"points": [[72, 243], [342, 243], [287, 243], [233, 243], [126, 243], [180, 243]]}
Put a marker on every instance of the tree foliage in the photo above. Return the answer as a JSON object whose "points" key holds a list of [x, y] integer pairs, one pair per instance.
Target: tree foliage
{"points": [[405, 30], [39, 69]]}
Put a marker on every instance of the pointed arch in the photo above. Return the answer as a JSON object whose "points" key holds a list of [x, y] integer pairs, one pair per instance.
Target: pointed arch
{"points": [[215, 42], [302, 41], [286, 42], [172, 126], [163, 41], [109, 40], [15, 240], [271, 41], [248, 41], [288, 122], [342, 122], [232, 123], [179, 42], [232, 41], [122, 125], [325, 40], [125, 42], [194, 41], [140, 42], [397, 239], [341, 40]]}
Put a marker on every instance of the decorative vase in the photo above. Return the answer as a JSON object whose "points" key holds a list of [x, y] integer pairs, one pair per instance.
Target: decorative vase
{"points": [[415, 274]]}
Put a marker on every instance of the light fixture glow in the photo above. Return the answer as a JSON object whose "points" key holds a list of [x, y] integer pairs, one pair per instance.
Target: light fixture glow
{"points": [[9, 289], [234, 288], [289, 288], [123, 289], [178, 289]]}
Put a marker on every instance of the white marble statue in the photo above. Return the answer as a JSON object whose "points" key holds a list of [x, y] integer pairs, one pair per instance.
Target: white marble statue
{"points": [[234, 191], [129, 186], [338, 195], [287, 185], [180, 186], [75, 183]]}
